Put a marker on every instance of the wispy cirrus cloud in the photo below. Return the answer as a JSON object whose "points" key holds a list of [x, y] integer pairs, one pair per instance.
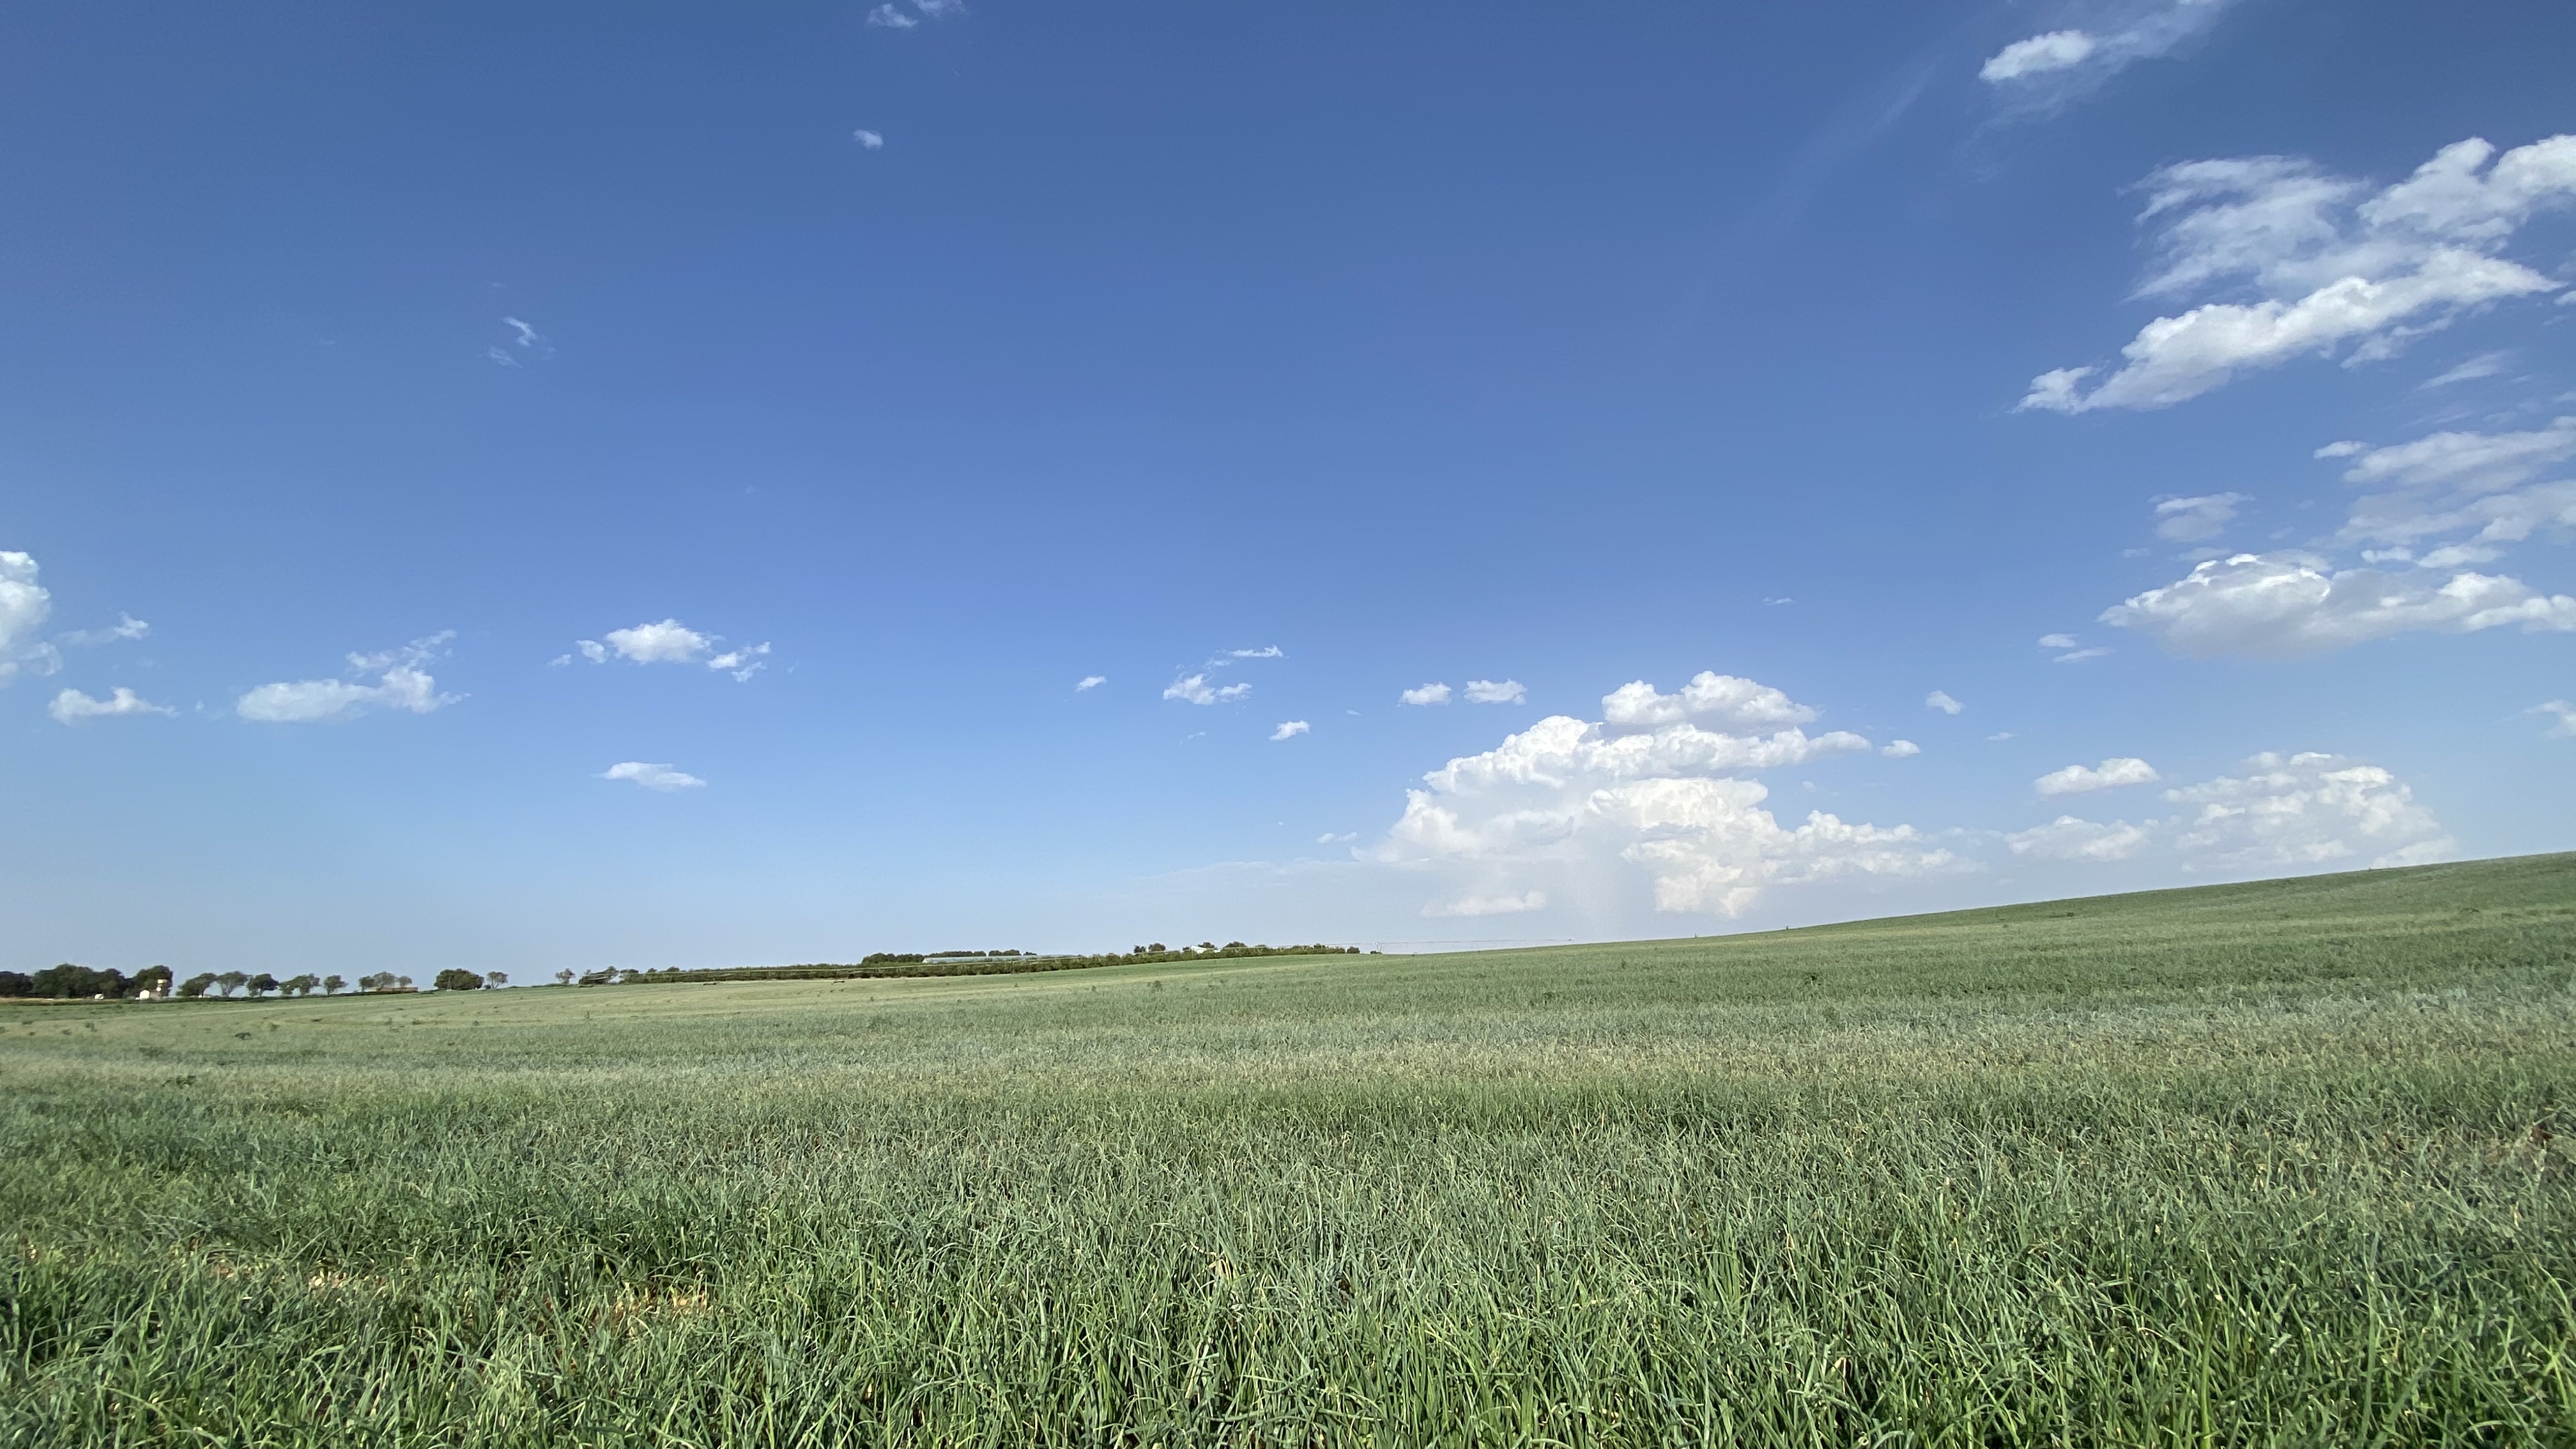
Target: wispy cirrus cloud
{"points": [[2091, 41], [394, 679], [2330, 265], [659, 777]]}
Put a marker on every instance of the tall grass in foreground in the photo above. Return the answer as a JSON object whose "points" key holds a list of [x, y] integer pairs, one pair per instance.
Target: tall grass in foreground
{"points": [[2279, 1164]]}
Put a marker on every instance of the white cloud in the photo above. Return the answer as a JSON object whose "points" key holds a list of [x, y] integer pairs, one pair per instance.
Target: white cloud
{"points": [[126, 628], [400, 683], [2276, 606], [669, 642], [2078, 656], [1496, 691], [1195, 689], [672, 642], [1289, 730], [2191, 520], [2111, 775], [2068, 838], [2056, 50], [1328, 838], [2477, 462], [1901, 749], [891, 18], [1500, 905], [1434, 693], [2475, 486], [2049, 69], [1090, 682], [868, 140], [1646, 790], [2056, 641], [653, 777], [1940, 700], [24, 607], [2303, 810], [2563, 716], [2330, 262], [71, 706], [1721, 698], [1266, 651], [2484, 365]]}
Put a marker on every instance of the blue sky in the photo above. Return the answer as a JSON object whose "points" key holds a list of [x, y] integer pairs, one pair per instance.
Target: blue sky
{"points": [[530, 487]]}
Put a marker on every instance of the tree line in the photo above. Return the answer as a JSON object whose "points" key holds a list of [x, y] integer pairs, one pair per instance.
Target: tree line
{"points": [[84, 983]]}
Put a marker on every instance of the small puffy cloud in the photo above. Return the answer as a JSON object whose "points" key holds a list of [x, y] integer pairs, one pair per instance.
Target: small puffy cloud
{"points": [[2333, 264], [125, 629], [2288, 811], [1940, 700], [71, 706], [1496, 691], [2111, 774], [1716, 698], [2278, 606], [1496, 905], [868, 140], [1901, 749], [2194, 520], [891, 18], [1289, 730], [2562, 716], [669, 642], [1266, 651], [2056, 50], [2068, 838], [672, 642], [24, 607], [1195, 689], [652, 776], [1433, 693], [1652, 790], [393, 679], [2056, 641], [1089, 682]]}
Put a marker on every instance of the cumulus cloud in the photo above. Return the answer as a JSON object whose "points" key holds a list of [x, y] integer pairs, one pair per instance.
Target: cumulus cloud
{"points": [[1496, 691], [71, 706], [1497, 905], [2288, 811], [2056, 641], [2192, 520], [1289, 730], [1901, 749], [2110, 775], [2278, 606], [1650, 789], [672, 642], [392, 679], [1089, 682], [2281, 812], [24, 607], [1195, 689], [653, 776], [2069, 838], [868, 140], [2562, 719], [1940, 700], [2329, 262], [1433, 693]]}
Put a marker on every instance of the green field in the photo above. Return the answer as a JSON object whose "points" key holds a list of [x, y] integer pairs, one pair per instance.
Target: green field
{"points": [[2280, 1163]]}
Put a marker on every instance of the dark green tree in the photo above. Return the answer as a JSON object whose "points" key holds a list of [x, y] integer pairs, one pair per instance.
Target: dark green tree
{"points": [[262, 984], [457, 978], [195, 986], [332, 985], [232, 981]]}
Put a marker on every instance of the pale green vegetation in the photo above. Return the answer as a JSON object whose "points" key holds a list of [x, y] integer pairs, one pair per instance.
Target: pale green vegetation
{"points": [[2286, 1163]]}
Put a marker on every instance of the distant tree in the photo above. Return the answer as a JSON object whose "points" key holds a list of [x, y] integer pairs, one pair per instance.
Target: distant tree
{"points": [[232, 981], [74, 982], [404, 982], [630, 975], [497, 979], [303, 985], [1158, 946], [332, 984], [262, 984], [17, 983], [457, 978], [564, 977], [155, 979], [195, 986]]}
